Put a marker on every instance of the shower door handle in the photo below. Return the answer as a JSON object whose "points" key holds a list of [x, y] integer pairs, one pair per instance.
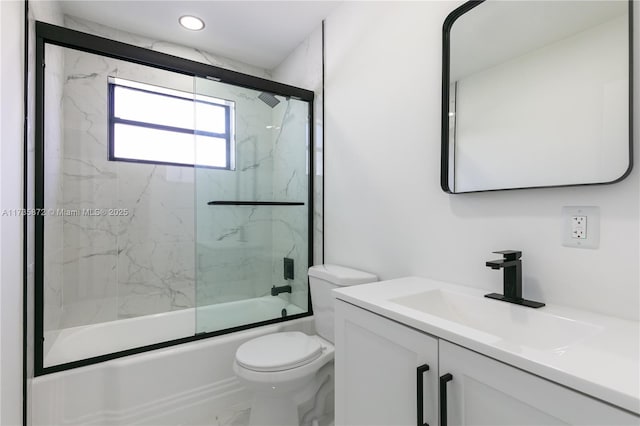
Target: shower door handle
{"points": [[254, 203], [420, 393]]}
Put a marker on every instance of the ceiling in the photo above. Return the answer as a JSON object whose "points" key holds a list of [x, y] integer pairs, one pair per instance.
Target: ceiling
{"points": [[258, 33]]}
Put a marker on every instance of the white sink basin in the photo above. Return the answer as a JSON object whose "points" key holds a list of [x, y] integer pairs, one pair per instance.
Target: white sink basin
{"points": [[510, 323], [595, 354]]}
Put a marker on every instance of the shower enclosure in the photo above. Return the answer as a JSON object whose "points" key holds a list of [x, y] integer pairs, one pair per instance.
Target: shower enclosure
{"points": [[173, 200]]}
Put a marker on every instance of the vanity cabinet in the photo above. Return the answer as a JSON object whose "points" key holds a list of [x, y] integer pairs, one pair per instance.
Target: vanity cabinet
{"points": [[484, 391], [378, 382], [379, 365]]}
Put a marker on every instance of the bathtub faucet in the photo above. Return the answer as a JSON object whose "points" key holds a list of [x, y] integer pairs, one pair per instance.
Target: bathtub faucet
{"points": [[282, 289]]}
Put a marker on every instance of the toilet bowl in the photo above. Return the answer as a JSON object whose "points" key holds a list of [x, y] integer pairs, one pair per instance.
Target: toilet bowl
{"points": [[287, 369]]}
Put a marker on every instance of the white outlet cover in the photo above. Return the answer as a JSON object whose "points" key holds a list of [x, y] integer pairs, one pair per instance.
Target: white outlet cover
{"points": [[579, 227], [592, 213]]}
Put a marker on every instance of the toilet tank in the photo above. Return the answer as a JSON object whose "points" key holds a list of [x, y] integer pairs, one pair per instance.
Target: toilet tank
{"points": [[323, 279]]}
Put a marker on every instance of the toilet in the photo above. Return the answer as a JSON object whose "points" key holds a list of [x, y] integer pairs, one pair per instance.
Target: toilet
{"points": [[287, 369]]}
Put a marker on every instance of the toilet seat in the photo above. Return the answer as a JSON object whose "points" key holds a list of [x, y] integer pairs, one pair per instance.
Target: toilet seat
{"points": [[278, 351]]}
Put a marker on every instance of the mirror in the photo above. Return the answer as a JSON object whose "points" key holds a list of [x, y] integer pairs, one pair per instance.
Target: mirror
{"points": [[536, 94]]}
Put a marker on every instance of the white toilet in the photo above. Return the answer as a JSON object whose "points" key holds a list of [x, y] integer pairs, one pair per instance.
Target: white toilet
{"points": [[284, 370]]}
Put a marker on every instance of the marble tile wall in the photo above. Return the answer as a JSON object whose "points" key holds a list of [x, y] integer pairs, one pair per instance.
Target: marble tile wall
{"points": [[156, 241], [53, 187], [146, 260], [172, 250], [291, 183], [120, 266], [234, 242], [163, 46], [303, 68]]}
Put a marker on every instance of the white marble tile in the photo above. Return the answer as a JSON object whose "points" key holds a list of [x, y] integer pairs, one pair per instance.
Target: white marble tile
{"points": [[155, 277], [172, 250], [89, 271], [237, 415], [303, 68], [90, 311], [163, 46], [157, 209], [232, 270], [291, 183], [53, 184]]}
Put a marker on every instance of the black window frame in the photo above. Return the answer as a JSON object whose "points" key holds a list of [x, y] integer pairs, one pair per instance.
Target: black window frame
{"points": [[113, 120]]}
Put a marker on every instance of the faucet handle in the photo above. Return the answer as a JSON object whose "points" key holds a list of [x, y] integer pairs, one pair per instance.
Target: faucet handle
{"points": [[509, 254]]}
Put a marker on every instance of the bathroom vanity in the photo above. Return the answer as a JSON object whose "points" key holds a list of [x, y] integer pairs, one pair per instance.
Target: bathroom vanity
{"points": [[417, 351]]}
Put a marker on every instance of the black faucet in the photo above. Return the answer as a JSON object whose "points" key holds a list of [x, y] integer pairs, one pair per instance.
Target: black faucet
{"points": [[512, 266], [282, 289]]}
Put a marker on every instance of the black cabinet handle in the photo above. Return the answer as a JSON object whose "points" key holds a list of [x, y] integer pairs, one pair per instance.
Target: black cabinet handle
{"points": [[443, 398], [419, 393]]}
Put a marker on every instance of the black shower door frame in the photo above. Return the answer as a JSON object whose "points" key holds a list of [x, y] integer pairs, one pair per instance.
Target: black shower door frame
{"points": [[64, 37]]}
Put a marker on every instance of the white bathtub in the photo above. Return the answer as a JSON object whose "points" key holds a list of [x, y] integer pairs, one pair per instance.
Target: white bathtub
{"points": [[82, 342], [187, 384]]}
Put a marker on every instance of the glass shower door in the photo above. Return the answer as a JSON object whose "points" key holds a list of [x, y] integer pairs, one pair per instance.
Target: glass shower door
{"points": [[117, 183], [252, 208], [169, 205]]}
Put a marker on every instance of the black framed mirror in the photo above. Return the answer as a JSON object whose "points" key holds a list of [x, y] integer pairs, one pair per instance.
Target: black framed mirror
{"points": [[536, 94]]}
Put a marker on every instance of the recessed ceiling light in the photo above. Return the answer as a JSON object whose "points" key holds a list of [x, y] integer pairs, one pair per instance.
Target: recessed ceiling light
{"points": [[191, 22]]}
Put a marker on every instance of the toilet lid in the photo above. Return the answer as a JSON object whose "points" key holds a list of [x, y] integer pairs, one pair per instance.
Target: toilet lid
{"points": [[278, 351]]}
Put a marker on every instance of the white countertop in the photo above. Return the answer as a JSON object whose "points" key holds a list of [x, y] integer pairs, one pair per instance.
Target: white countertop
{"points": [[604, 364]]}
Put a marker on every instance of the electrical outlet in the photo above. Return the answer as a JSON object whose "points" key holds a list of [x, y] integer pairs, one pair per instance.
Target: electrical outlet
{"points": [[581, 226], [579, 234]]}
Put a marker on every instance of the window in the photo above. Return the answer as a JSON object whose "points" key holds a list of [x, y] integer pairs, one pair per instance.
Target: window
{"points": [[151, 124]]}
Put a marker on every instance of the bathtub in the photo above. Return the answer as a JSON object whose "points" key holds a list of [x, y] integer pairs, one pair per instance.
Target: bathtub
{"points": [[187, 384], [82, 342]]}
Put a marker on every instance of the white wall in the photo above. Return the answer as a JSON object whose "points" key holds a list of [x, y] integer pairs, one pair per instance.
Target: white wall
{"points": [[11, 128], [384, 209]]}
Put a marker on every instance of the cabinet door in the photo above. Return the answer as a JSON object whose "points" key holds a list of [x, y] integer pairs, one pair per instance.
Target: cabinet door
{"points": [[377, 371], [483, 391]]}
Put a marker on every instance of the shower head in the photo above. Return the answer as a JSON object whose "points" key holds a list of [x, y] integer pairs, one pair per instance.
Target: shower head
{"points": [[268, 99]]}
